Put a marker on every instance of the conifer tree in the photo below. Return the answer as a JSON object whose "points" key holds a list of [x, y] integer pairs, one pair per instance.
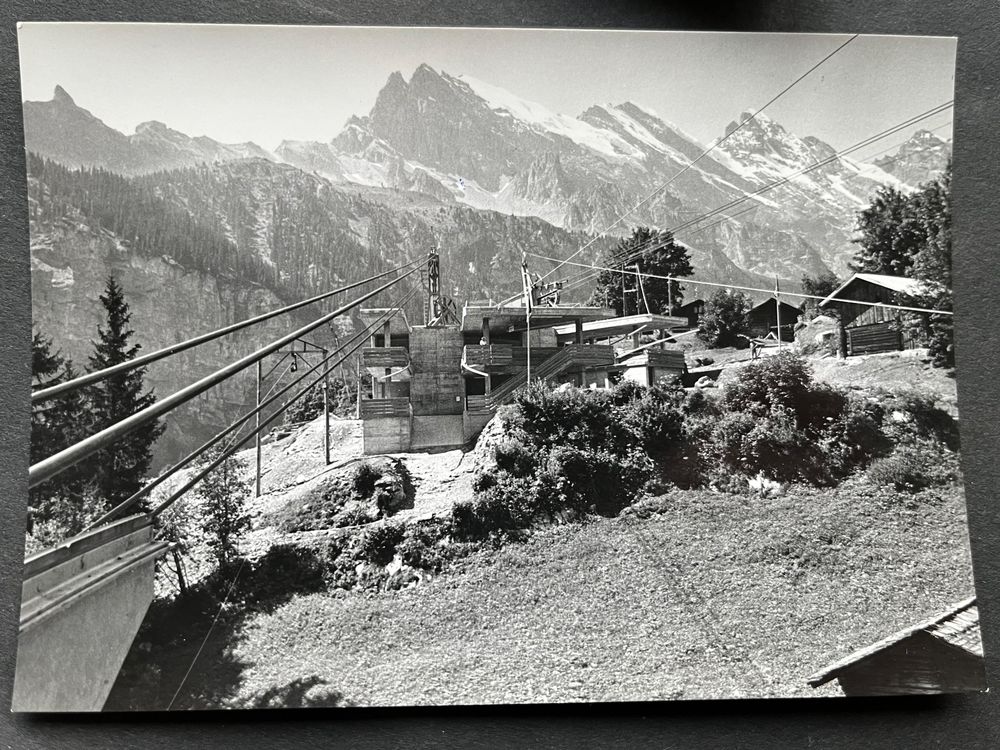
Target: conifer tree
{"points": [[60, 504], [120, 469]]}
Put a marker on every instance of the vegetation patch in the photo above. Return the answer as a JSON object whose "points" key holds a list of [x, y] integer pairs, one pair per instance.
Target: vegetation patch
{"points": [[368, 491]]}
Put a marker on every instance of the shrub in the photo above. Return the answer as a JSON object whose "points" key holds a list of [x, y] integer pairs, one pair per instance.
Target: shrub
{"points": [[917, 416], [377, 544], [485, 516], [422, 546], [779, 423], [364, 478], [915, 467], [782, 381], [577, 482], [515, 458], [726, 319]]}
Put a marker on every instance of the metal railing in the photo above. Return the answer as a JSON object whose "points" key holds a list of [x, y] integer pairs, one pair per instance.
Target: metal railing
{"points": [[49, 467]]}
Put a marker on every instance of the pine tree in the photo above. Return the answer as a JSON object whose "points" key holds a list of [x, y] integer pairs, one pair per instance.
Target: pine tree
{"points": [[58, 508], [656, 253], [120, 469]]}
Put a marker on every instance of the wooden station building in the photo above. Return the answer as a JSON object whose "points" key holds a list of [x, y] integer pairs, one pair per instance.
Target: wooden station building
{"points": [[867, 328], [435, 386]]}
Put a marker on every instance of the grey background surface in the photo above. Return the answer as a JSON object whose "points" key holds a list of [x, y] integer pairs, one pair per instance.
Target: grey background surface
{"points": [[954, 721]]}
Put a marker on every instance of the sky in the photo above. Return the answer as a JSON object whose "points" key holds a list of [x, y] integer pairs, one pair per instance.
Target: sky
{"points": [[271, 83]]}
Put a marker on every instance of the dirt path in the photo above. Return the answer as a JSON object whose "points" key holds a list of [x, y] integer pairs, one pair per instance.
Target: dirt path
{"points": [[440, 480]]}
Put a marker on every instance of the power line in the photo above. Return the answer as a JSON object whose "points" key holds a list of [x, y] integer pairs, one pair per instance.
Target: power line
{"points": [[234, 428], [799, 172], [719, 142], [642, 248], [212, 466], [98, 375], [769, 292], [47, 468]]}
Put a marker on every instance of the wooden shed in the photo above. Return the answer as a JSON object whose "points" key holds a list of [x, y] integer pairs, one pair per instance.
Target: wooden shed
{"points": [[943, 654], [868, 328], [692, 310], [764, 319]]}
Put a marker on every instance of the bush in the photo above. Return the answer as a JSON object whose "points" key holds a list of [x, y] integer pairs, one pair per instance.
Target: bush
{"points": [[364, 478], [575, 482], [726, 319], [515, 458], [486, 516], [915, 416], [378, 544], [782, 381], [423, 546], [915, 467]]}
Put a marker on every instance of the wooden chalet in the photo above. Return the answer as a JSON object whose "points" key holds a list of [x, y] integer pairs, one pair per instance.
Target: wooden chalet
{"points": [[867, 328], [943, 654], [692, 310], [764, 319]]}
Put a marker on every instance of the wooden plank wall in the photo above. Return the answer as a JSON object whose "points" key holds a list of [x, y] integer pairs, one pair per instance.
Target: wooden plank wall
{"points": [[436, 386], [918, 664], [874, 338]]}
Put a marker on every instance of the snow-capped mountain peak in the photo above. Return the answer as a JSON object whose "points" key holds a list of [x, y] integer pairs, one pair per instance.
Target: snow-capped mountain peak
{"points": [[542, 119]]}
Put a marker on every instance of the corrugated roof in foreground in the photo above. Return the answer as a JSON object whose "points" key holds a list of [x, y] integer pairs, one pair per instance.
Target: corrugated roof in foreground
{"points": [[957, 626]]}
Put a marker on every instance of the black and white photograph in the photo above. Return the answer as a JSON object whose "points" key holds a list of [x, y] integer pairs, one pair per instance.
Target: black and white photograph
{"points": [[424, 366]]}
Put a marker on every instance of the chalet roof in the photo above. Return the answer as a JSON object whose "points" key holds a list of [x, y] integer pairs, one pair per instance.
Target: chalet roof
{"points": [[542, 316], [958, 626], [696, 301], [899, 284], [769, 300], [624, 325]]}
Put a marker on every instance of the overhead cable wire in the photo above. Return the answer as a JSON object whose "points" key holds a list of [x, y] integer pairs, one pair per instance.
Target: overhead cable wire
{"points": [[769, 292], [239, 423], [705, 152], [145, 359], [219, 460], [785, 179], [632, 253], [47, 468]]}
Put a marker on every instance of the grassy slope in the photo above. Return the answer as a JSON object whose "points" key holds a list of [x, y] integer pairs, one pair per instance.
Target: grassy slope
{"points": [[718, 596]]}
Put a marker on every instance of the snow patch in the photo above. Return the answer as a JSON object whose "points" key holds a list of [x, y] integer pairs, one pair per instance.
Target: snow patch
{"points": [[541, 118]]}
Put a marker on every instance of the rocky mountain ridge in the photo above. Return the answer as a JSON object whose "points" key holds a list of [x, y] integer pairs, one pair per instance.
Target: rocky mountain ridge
{"points": [[61, 130]]}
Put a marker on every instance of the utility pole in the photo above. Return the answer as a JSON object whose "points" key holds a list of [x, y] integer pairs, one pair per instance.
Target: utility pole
{"points": [[527, 288], [326, 417], [257, 434], [642, 288], [777, 308], [433, 286]]}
